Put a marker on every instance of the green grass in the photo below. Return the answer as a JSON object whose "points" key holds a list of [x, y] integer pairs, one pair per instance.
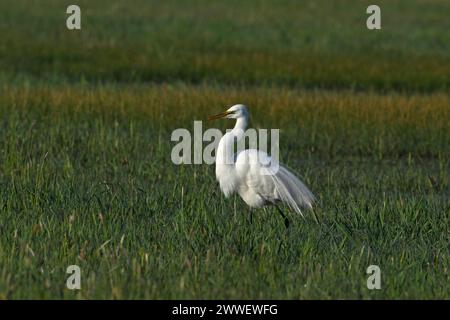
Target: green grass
{"points": [[307, 44], [87, 179], [85, 170]]}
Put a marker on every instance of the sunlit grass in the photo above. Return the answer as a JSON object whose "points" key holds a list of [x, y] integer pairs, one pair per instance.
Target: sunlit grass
{"points": [[86, 179]]}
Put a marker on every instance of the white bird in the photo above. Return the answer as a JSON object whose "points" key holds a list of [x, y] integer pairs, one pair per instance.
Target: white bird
{"points": [[251, 172]]}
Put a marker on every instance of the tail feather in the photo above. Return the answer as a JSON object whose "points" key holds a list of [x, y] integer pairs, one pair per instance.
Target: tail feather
{"points": [[292, 191]]}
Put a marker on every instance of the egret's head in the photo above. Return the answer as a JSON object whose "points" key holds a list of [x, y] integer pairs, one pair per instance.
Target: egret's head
{"points": [[235, 112]]}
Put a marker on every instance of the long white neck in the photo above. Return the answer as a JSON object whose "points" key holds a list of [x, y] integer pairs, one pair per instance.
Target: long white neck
{"points": [[225, 169], [225, 154]]}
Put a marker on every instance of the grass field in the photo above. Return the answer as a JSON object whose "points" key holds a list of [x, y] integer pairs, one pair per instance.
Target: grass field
{"points": [[85, 170]]}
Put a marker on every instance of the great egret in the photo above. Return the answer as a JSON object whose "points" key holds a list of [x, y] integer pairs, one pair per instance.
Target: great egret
{"points": [[250, 173]]}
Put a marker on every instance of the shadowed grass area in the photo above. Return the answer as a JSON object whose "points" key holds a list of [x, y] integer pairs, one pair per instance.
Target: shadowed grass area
{"points": [[86, 179]]}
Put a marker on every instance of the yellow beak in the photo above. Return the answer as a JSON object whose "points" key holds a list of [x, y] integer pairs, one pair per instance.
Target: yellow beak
{"points": [[220, 115]]}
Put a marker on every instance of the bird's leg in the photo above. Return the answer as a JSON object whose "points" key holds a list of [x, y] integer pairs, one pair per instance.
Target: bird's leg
{"points": [[315, 217], [286, 220], [250, 215]]}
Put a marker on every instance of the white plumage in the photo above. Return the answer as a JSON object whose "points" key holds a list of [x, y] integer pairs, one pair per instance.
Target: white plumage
{"points": [[250, 174]]}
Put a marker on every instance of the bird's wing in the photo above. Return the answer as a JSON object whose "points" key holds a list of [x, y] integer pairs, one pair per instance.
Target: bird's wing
{"points": [[273, 183]]}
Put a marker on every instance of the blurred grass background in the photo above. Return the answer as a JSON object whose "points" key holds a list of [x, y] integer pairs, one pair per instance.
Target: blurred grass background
{"points": [[295, 43]]}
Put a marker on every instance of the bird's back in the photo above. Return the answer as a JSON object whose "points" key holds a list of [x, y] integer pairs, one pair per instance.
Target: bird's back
{"points": [[255, 187], [262, 181]]}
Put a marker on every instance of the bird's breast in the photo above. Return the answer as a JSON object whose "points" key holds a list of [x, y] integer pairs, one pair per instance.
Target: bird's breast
{"points": [[227, 180]]}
